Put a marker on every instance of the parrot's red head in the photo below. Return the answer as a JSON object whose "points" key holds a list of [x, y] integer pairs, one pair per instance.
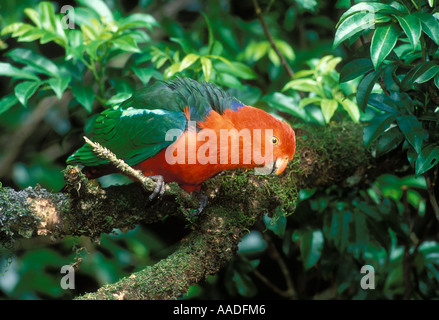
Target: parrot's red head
{"points": [[272, 138]]}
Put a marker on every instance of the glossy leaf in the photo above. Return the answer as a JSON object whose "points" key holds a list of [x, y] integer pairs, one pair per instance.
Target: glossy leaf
{"points": [[376, 128], [187, 61], [305, 85], [236, 69], [418, 72], [306, 101], [206, 65], [126, 43], [328, 108], [138, 20], [427, 159], [47, 12], [8, 70], [25, 90], [365, 88], [355, 68], [430, 25], [412, 28], [388, 141], [351, 108], [7, 102], [84, 95], [99, 7], [428, 74], [368, 7], [383, 42], [38, 62], [352, 25], [311, 247], [383, 102], [59, 85]]}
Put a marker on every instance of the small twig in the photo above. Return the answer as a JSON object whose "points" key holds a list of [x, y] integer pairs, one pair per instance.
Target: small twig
{"points": [[290, 292], [104, 153], [283, 61], [271, 40]]}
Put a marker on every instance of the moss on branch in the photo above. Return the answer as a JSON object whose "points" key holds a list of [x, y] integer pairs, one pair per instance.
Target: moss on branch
{"points": [[237, 199]]}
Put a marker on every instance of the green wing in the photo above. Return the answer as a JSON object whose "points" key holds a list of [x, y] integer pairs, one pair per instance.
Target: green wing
{"points": [[175, 95], [136, 129], [132, 134]]}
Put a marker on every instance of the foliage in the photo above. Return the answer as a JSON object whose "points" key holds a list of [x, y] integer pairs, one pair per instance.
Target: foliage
{"points": [[403, 59], [97, 54]]}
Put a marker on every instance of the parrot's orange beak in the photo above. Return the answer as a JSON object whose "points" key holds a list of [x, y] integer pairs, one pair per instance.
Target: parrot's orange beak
{"points": [[280, 165]]}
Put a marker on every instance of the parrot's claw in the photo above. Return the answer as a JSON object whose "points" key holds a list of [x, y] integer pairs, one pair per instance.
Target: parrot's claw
{"points": [[160, 187]]}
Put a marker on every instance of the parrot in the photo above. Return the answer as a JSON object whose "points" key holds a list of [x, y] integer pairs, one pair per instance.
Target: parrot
{"points": [[179, 131]]}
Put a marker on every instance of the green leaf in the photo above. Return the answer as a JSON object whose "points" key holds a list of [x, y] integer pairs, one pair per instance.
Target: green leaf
{"points": [[352, 25], [59, 85], [287, 104], [430, 25], [412, 130], [428, 74], [355, 68], [34, 16], [100, 8], [145, 74], [383, 102], [207, 68], [185, 45], [25, 90], [427, 159], [388, 141], [187, 61], [328, 108], [383, 41], [428, 68], [412, 28], [311, 247], [7, 103], [327, 64], [351, 108], [369, 7], [75, 47], [376, 128], [84, 95], [8, 70], [17, 29], [236, 69], [276, 224], [305, 85], [365, 88], [136, 20], [306, 101], [38, 62], [126, 43], [47, 12]]}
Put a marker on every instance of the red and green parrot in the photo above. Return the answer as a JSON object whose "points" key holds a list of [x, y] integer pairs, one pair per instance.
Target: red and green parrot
{"points": [[136, 132]]}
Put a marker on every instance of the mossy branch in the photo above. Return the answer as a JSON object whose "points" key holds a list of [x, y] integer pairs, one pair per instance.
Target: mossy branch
{"points": [[237, 199]]}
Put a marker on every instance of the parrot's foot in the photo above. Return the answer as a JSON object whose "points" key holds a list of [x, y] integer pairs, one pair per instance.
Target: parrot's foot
{"points": [[203, 202], [160, 187]]}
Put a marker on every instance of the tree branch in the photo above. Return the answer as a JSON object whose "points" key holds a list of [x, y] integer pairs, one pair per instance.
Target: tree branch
{"points": [[237, 199]]}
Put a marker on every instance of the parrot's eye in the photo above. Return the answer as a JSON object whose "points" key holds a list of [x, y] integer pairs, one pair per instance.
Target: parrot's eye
{"points": [[274, 140]]}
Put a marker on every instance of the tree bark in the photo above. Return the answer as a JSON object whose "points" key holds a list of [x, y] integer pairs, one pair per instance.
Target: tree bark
{"points": [[237, 199]]}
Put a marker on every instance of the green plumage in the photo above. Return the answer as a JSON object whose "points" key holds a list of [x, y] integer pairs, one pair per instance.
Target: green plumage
{"points": [[136, 130]]}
